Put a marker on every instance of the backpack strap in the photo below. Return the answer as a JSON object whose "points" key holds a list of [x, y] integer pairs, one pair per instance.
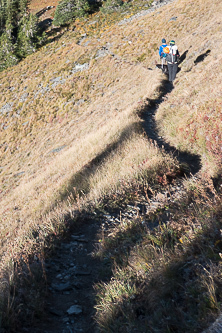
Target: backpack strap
{"points": [[171, 52]]}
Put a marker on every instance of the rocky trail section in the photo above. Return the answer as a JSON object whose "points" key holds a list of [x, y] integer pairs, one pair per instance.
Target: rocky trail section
{"points": [[74, 270], [191, 162], [71, 275], [155, 5]]}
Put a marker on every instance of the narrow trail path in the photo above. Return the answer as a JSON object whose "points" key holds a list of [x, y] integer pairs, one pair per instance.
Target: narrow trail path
{"points": [[192, 160], [73, 271], [71, 274]]}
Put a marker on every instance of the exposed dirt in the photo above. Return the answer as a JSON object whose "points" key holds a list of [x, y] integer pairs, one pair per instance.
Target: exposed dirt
{"points": [[73, 271], [71, 274], [192, 161]]}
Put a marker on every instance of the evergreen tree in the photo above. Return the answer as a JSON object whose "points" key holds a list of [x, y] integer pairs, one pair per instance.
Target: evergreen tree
{"points": [[27, 35], [2, 14], [23, 5], [12, 12], [19, 34], [7, 51], [82, 7], [67, 10], [111, 5]]}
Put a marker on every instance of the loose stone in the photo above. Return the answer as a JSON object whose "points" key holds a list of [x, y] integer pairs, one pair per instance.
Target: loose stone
{"points": [[74, 309]]}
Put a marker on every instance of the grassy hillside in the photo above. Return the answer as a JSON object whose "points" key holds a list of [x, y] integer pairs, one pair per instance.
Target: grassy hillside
{"points": [[72, 136], [36, 6]]}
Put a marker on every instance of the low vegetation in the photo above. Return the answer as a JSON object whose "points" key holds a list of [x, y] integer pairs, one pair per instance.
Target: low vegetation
{"points": [[19, 32], [170, 280], [72, 140], [68, 10]]}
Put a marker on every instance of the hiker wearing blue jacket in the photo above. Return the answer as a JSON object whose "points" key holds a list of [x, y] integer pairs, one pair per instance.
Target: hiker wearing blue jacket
{"points": [[161, 53]]}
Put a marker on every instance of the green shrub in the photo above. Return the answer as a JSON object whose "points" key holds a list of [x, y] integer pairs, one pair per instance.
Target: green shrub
{"points": [[67, 10], [27, 38], [19, 33], [111, 5], [7, 51]]}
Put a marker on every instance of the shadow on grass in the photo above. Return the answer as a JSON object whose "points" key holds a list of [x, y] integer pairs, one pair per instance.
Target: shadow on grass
{"points": [[192, 161], [54, 34], [36, 300], [45, 24], [182, 293], [201, 57], [79, 182], [183, 57], [134, 233]]}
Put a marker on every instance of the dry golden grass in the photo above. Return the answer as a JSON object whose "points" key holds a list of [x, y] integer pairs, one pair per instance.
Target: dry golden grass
{"points": [[36, 5], [28, 146], [191, 117], [97, 131], [92, 115], [174, 268]]}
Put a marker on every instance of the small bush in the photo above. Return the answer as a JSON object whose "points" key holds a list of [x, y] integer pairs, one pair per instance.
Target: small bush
{"points": [[7, 52], [19, 33], [27, 35], [67, 10], [111, 5]]}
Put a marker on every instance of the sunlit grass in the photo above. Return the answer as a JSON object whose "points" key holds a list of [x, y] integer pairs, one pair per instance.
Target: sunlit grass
{"points": [[71, 139]]}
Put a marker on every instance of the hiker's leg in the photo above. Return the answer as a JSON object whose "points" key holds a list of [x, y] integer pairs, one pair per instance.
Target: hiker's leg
{"points": [[165, 68], [168, 65], [170, 68], [174, 71]]}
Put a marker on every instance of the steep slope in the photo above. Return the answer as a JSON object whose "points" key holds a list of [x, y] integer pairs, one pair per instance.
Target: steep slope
{"points": [[71, 134]]}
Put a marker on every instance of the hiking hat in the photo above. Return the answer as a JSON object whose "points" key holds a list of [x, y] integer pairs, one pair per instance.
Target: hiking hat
{"points": [[172, 42], [163, 40]]}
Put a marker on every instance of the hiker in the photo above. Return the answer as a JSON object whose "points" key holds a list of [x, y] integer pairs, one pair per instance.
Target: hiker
{"points": [[161, 53], [172, 59]]}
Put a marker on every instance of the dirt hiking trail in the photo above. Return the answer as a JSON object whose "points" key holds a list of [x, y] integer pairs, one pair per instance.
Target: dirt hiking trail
{"points": [[73, 271]]}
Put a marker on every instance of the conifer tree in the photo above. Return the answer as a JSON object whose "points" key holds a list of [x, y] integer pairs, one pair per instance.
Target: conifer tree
{"points": [[67, 10], [7, 51], [2, 14], [19, 33], [23, 5], [27, 35]]}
